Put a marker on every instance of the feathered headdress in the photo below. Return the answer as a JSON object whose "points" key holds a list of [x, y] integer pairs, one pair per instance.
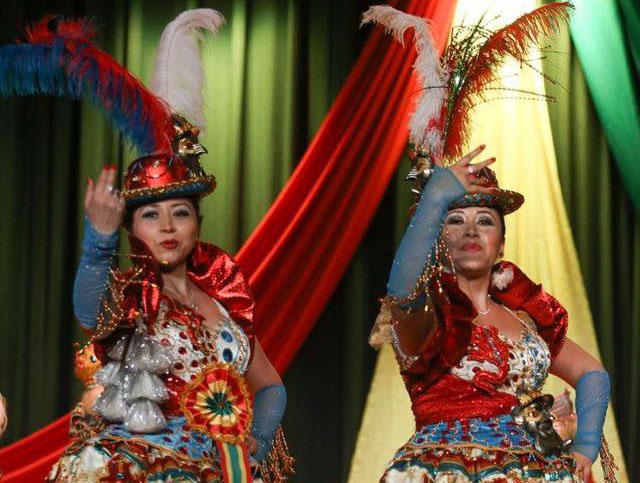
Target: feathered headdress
{"points": [[431, 76], [178, 77], [58, 57], [450, 87]]}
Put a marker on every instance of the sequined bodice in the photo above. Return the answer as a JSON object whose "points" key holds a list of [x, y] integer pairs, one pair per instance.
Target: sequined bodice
{"points": [[512, 366], [192, 346]]}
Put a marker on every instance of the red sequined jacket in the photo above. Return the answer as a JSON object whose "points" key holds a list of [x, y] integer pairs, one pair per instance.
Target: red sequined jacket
{"points": [[139, 289], [436, 394]]}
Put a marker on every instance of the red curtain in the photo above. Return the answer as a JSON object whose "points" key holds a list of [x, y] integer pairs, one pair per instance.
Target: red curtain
{"points": [[302, 247], [297, 255]]}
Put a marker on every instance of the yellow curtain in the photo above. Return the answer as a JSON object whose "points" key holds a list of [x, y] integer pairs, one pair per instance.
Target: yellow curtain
{"points": [[539, 241]]}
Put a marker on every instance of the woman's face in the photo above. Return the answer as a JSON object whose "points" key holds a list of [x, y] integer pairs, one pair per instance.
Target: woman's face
{"points": [[169, 228], [475, 239]]}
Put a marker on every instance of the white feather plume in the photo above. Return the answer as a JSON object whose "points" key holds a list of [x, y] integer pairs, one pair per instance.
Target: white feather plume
{"points": [[178, 77], [431, 76]]}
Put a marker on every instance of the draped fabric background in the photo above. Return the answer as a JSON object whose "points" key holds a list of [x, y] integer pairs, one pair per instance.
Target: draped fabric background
{"points": [[601, 44], [275, 70], [539, 240], [606, 231]]}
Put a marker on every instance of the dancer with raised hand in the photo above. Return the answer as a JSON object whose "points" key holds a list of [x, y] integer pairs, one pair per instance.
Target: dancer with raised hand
{"points": [[474, 337]]}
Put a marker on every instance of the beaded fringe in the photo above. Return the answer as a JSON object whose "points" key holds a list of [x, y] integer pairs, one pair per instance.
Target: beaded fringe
{"points": [[278, 465], [608, 463]]}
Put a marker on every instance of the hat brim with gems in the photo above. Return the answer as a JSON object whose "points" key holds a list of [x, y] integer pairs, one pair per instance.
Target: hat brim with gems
{"points": [[158, 177], [162, 176], [505, 201]]}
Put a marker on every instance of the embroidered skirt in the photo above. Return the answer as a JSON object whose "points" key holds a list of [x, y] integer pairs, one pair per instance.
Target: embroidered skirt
{"points": [[473, 450], [176, 454]]}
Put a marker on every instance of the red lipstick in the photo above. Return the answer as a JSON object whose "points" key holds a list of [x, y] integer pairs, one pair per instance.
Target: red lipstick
{"points": [[471, 247], [169, 244]]}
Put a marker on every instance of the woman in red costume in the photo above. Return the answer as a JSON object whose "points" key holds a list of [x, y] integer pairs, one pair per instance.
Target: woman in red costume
{"points": [[474, 337], [175, 334], [188, 394]]}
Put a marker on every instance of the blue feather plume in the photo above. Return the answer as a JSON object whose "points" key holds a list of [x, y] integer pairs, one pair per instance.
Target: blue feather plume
{"points": [[80, 70]]}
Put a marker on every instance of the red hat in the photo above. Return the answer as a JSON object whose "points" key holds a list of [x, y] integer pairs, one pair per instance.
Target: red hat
{"points": [[161, 176]]}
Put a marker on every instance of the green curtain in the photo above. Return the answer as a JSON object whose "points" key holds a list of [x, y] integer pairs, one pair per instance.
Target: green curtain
{"points": [[606, 231], [630, 11], [273, 72], [596, 29]]}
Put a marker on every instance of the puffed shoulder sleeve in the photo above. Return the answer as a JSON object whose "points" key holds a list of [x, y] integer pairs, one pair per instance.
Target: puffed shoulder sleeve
{"points": [[450, 339], [520, 293], [218, 274]]}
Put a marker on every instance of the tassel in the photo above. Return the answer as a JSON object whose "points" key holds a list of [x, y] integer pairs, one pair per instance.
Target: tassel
{"points": [[148, 386], [107, 375], [608, 463], [278, 465], [118, 350], [111, 404]]}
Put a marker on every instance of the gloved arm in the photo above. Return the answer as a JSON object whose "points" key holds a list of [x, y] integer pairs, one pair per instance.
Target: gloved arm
{"points": [[268, 409], [592, 399], [422, 233], [92, 274]]}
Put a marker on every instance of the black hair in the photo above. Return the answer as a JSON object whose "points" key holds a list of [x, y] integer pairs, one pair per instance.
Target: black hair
{"points": [[127, 221], [502, 224]]}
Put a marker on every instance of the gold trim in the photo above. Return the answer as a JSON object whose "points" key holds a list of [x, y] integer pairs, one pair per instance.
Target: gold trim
{"points": [[479, 446], [508, 201], [168, 188], [103, 441]]}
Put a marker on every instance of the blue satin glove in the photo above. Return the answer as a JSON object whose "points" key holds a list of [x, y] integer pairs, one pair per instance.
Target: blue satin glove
{"points": [[92, 274], [422, 233], [268, 409], [592, 399]]}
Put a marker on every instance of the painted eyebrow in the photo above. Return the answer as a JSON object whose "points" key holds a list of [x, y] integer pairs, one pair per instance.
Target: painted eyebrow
{"points": [[155, 205], [181, 203]]}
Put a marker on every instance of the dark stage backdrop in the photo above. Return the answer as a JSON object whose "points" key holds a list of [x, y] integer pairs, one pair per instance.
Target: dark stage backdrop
{"points": [[273, 72], [606, 230]]}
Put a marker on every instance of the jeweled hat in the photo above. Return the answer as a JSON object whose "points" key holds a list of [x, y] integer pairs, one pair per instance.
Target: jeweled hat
{"points": [[178, 79], [161, 176], [59, 57], [505, 201], [453, 84]]}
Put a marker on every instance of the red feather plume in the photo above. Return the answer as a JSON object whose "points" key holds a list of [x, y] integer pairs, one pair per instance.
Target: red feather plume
{"points": [[73, 29], [515, 41], [142, 117]]}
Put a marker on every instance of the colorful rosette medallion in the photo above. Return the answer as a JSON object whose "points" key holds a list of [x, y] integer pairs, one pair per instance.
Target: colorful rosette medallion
{"points": [[218, 403]]}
